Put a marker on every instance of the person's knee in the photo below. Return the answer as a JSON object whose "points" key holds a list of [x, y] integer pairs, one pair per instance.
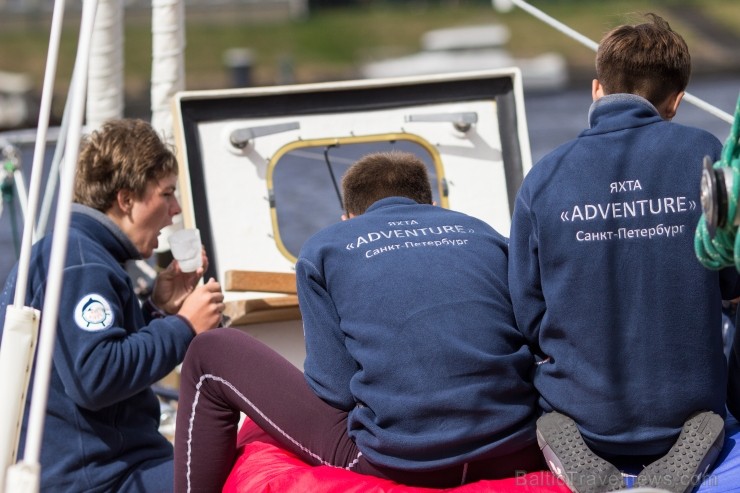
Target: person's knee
{"points": [[198, 350], [208, 348]]}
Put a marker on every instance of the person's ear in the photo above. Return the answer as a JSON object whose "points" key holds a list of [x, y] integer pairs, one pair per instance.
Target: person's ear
{"points": [[671, 106], [125, 200], [597, 90]]}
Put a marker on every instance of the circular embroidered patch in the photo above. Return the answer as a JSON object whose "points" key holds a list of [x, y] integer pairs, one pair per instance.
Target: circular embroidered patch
{"points": [[93, 312]]}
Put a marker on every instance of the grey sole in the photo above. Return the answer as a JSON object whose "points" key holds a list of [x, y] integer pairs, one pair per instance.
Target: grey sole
{"points": [[683, 467], [569, 458]]}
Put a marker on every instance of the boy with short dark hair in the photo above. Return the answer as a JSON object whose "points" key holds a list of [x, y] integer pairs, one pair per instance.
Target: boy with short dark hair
{"points": [[606, 287], [415, 370]]}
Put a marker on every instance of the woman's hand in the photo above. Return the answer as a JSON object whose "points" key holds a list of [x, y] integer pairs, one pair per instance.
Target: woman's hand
{"points": [[173, 285], [203, 308]]}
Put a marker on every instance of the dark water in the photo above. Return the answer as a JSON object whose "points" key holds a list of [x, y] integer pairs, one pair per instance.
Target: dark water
{"points": [[552, 118]]}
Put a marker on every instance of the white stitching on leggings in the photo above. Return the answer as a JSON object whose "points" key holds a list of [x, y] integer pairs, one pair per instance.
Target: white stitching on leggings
{"points": [[190, 432], [250, 404], [354, 462]]}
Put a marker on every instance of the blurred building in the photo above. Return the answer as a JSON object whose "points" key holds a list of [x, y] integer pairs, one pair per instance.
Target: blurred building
{"points": [[261, 8]]}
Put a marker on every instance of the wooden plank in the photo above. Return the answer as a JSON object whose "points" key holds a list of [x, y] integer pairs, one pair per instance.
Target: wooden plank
{"points": [[259, 310], [268, 282]]}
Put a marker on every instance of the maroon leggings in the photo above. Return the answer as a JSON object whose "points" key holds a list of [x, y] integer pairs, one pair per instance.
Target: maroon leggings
{"points": [[226, 372]]}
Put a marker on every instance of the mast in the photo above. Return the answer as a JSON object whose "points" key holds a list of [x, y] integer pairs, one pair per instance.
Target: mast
{"points": [[168, 61], [105, 95]]}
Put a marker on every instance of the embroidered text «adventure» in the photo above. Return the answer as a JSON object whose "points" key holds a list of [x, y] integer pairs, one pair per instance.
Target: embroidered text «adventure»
{"points": [[407, 233]]}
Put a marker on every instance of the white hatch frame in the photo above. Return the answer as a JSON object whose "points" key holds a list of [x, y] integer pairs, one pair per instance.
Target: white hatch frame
{"points": [[229, 142]]}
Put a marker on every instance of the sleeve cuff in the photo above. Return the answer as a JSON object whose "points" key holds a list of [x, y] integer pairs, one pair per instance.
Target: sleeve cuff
{"points": [[153, 310], [187, 322]]}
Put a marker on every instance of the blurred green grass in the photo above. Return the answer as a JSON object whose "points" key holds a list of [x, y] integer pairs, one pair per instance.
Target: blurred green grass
{"points": [[330, 44]]}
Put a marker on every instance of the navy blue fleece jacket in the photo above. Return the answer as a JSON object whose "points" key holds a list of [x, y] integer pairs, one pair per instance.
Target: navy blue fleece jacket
{"points": [[409, 327], [102, 418], [605, 284]]}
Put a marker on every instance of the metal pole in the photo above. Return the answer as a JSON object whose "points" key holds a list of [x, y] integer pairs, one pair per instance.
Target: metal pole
{"points": [[21, 323], [25, 473], [39, 150]]}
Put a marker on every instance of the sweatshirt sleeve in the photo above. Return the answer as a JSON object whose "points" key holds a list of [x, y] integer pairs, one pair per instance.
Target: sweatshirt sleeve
{"points": [[104, 352], [524, 273], [328, 367]]}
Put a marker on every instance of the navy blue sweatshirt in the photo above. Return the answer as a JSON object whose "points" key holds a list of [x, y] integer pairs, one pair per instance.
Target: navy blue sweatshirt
{"points": [[102, 418], [605, 283], [409, 327]]}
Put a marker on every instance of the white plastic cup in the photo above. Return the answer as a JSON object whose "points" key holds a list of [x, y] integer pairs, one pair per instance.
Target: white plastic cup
{"points": [[187, 249]]}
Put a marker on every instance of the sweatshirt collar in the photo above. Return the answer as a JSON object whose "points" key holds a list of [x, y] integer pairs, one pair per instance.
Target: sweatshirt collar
{"points": [[103, 229], [389, 201], [631, 109]]}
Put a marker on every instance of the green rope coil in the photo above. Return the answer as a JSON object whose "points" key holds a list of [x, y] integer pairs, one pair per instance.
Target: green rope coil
{"points": [[723, 250]]}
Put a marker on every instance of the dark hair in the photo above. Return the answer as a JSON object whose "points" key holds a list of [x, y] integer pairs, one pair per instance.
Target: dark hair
{"points": [[385, 174], [650, 60], [124, 154]]}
